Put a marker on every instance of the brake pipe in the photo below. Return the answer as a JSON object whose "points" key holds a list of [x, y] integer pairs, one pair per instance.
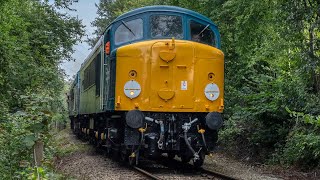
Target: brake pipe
{"points": [[186, 127], [160, 142]]}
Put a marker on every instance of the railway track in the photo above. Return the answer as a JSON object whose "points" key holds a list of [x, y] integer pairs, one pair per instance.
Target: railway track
{"points": [[146, 173], [216, 174], [166, 168], [174, 169]]}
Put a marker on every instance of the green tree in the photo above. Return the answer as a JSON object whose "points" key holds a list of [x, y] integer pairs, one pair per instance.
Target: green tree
{"points": [[34, 38]]}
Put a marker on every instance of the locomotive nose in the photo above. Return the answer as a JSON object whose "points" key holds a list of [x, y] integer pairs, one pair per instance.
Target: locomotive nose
{"points": [[214, 120]]}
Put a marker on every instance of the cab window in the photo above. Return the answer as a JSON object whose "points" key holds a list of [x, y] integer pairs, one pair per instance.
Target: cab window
{"points": [[202, 33], [163, 26], [129, 31]]}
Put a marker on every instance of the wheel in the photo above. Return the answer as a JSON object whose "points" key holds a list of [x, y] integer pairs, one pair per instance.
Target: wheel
{"points": [[124, 156], [90, 140], [171, 155], [108, 152], [185, 159], [99, 148], [134, 159], [115, 154], [199, 162]]}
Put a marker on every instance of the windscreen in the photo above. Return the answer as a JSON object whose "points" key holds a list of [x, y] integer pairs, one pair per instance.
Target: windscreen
{"points": [[129, 31], [163, 26], [202, 33]]}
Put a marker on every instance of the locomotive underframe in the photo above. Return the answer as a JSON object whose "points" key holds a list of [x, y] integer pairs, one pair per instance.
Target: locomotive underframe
{"points": [[183, 134]]}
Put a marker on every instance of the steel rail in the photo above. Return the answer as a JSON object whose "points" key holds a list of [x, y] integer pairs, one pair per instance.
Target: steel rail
{"points": [[219, 175], [166, 162], [146, 173]]}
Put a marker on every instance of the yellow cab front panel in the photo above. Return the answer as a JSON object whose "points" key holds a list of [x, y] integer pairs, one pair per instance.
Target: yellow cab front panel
{"points": [[172, 74]]}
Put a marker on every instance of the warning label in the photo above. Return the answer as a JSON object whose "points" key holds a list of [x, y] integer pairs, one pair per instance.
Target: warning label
{"points": [[184, 85]]}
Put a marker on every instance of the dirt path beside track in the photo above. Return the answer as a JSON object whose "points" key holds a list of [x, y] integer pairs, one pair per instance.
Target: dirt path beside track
{"points": [[85, 163], [94, 166]]}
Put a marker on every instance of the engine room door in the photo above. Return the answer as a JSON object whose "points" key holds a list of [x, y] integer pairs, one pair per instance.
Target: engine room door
{"points": [[172, 74]]}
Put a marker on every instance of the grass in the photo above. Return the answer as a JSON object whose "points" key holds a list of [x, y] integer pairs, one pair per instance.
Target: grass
{"points": [[67, 143]]}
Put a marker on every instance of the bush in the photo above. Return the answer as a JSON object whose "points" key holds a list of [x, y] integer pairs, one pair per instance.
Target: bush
{"points": [[302, 146]]}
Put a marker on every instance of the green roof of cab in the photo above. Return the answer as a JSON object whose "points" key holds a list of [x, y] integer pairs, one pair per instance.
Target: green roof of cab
{"points": [[163, 9]]}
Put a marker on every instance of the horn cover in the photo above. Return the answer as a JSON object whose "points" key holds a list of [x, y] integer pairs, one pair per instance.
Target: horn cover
{"points": [[135, 119], [214, 120]]}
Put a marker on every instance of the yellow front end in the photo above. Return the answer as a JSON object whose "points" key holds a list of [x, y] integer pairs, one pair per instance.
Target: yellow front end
{"points": [[172, 74]]}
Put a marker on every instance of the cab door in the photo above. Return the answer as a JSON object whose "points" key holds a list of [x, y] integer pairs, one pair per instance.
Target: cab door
{"points": [[106, 73]]}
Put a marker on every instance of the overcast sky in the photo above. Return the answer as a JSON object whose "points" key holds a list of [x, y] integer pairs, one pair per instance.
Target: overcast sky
{"points": [[86, 10]]}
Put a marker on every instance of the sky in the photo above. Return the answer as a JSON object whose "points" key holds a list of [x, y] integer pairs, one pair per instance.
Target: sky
{"points": [[86, 10]]}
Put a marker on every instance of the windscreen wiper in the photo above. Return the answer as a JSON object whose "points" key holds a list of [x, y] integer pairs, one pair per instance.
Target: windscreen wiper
{"points": [[203, 29], [126, 25]]}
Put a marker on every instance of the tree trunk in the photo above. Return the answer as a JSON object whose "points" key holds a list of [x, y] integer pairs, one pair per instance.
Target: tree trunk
{"points": [[38, 153]]}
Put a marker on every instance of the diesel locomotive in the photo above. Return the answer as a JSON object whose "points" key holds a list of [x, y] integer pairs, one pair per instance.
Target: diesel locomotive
{"points": [[152, 85]]}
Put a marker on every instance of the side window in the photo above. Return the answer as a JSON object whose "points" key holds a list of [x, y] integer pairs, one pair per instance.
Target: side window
{"points": [[92, 73], [129, 31], [166, 26], [98, 73], [89, 76], [202, 33]]}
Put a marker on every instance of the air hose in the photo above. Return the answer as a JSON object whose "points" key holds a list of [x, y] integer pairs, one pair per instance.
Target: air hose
{"points": [[141, 130], [186, 127]]}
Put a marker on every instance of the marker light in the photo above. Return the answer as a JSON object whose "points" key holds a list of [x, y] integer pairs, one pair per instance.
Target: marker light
{"points": [[132, 89], [212, 91]]}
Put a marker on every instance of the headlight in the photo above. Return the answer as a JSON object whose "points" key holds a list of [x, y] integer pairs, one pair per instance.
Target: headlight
{"points": [[132, 89], [212, 91]]}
